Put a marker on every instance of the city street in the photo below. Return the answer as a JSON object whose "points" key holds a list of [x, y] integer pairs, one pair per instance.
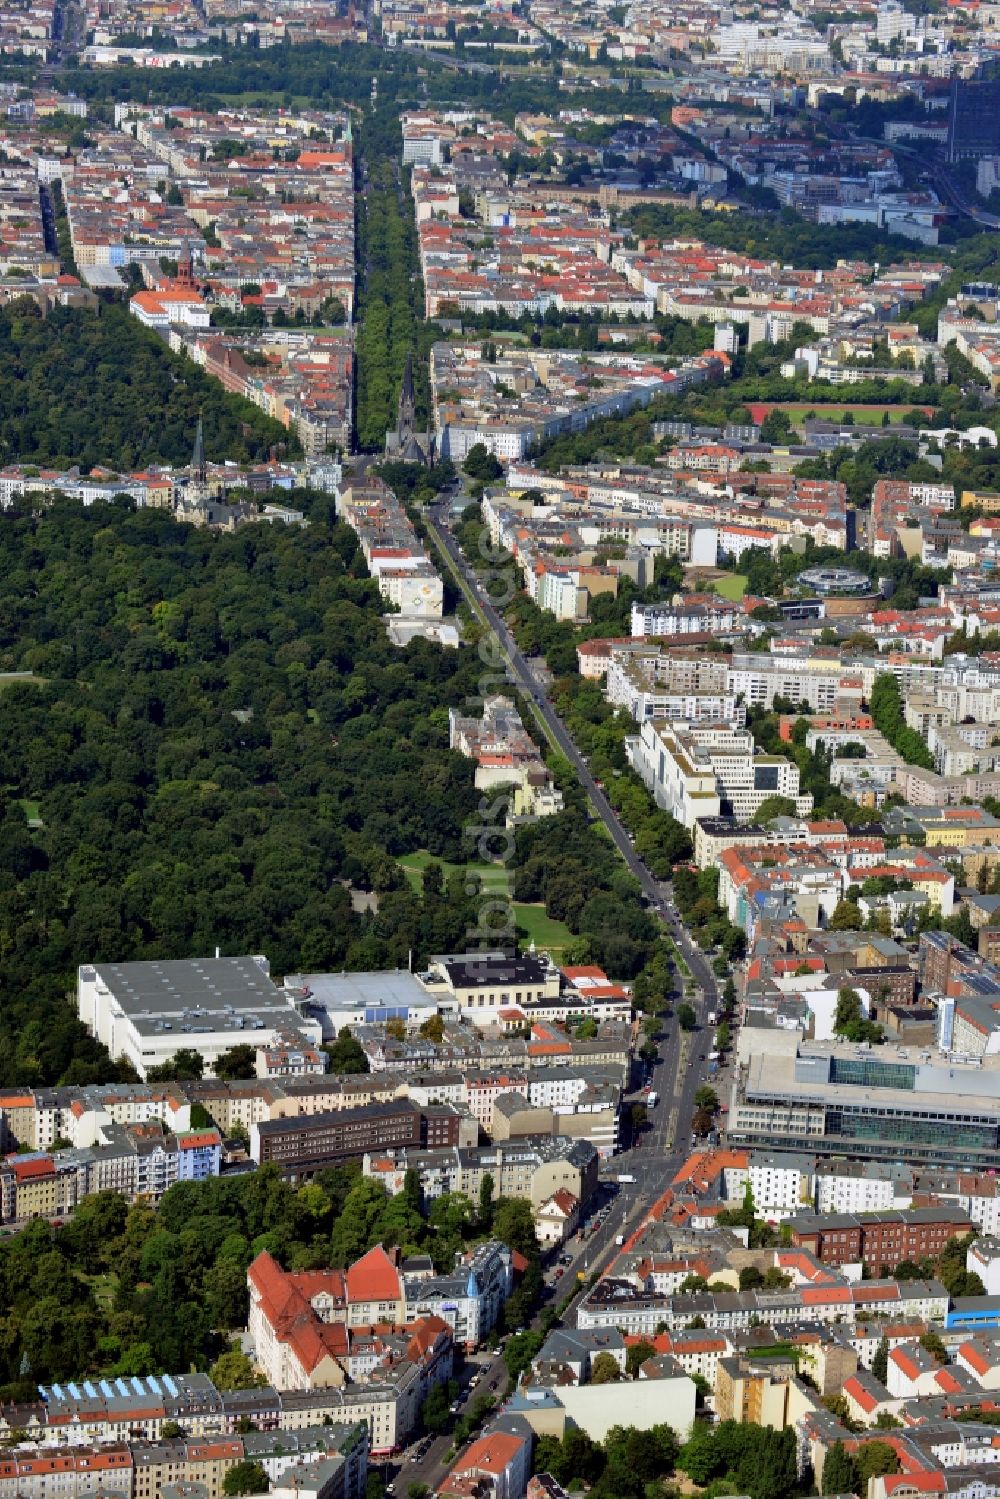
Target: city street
{"points": [[680, 1070], [523, 678], [589, 1256]]}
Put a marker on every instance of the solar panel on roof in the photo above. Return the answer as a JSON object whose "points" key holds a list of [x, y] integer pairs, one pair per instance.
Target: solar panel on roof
{"points": [[170, 1385]]}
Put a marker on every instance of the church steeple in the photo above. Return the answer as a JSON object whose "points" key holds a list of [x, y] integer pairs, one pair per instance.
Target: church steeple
{"points": [[407, 413], [198, 465], [406, 444]]}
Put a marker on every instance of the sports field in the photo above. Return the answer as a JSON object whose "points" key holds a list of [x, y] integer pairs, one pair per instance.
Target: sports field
{"points": [[833, 411]]}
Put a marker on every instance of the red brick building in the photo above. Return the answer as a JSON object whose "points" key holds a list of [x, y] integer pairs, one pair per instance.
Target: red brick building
{"points": [[879, 1239]]}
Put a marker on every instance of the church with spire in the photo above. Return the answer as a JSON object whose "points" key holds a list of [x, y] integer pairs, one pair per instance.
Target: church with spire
{"points": [[200, 500], [404, 444]]}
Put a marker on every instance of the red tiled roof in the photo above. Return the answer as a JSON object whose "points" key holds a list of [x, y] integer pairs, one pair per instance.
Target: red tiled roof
{"points": [[492, 1453], [28, 1170], [424, 1334], [285, 1302], [373, 1278]]}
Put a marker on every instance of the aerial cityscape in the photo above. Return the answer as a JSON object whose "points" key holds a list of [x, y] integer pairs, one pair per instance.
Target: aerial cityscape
{"points": [[499, 749]]}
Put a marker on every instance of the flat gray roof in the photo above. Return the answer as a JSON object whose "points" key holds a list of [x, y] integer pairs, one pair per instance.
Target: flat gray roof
{"points": [[202, 993], [102, 275], [957, 1089], [343, 991]]}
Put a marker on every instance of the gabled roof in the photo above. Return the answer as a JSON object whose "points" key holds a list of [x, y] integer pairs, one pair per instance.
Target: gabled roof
{"points": [[492, 1453], [374, 1277], [424, 1334]]}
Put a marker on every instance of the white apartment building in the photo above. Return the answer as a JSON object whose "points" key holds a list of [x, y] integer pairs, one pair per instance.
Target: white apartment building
{"points": [[861, 1187], [559, 594], [983, 1259], [760, 679], [634, 684], [681, 619], [779, 1183], [416, 590], [686, 707], [704, 770]]}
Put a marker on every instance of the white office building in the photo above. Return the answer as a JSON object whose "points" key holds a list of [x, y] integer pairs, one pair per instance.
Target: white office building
{"points": [[705, 770]]}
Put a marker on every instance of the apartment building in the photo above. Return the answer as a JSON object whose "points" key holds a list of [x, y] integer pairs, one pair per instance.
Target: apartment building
{"points": [[497, 1463], [300, 1325], [696, 771], [619, 1303], [139, 1160], [879, 1240], [396, 557], [533, 1168], [302, 1144], [506, 755]]}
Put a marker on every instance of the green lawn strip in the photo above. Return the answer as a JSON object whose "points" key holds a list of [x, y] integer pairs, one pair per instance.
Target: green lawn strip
{"points": [[103, 1287], [533, 925], [495, 878], [834, 411], [731, 587]]}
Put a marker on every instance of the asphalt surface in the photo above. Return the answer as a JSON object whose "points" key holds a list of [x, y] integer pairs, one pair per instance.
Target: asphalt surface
{"points": [[653, 1159]]}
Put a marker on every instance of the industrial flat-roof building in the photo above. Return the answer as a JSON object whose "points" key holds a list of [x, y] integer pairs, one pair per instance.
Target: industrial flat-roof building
{"points": [[148, 1011], [339, 999]]}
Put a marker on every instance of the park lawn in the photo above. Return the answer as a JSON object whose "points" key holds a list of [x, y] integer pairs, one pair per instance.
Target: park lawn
{"points": [[733, 586], [495, 878], [834, 411], [533, 925], [31, 810]]}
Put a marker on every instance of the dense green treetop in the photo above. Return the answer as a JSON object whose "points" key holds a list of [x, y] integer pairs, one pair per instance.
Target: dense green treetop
{"points": [[98, 388]]}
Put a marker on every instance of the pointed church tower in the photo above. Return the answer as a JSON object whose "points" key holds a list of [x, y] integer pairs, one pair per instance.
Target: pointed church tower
{"points": [[199, 467], [185, 269], [405, 444], [407, 413]]}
